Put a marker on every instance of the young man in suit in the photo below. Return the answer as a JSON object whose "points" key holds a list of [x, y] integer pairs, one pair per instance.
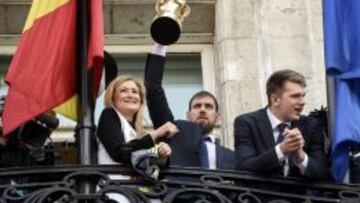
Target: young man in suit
{"points": [[194, 145], [277, 139]]}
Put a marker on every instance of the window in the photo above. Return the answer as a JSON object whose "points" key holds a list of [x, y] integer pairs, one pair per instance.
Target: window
{"points": [[182, 79], [189, 68]]}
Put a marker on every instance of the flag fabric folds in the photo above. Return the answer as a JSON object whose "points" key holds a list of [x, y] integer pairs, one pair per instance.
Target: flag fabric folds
{"points": [[43, 71], [342, 59]]}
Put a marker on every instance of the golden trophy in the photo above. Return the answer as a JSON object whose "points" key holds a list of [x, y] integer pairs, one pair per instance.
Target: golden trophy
{"points": [[166, 27]]}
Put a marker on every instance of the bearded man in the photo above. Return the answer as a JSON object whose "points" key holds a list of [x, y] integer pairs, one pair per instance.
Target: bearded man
{"points": [[195, 145]]}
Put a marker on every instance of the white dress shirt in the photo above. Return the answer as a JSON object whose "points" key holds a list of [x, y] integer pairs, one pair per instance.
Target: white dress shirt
{"points": [[274, 121], [159, 50], [211, 151]]}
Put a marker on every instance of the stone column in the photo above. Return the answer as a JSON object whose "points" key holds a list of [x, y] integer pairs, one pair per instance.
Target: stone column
{"points": [[237, 62]]}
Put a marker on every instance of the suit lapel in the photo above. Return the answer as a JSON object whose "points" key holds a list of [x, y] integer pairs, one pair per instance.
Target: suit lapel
{"points": [[219, 157], [295, 124], [265, 129]]}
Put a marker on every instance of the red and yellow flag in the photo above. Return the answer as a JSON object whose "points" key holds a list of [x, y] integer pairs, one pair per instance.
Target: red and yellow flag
{"points": [[42, 74]]}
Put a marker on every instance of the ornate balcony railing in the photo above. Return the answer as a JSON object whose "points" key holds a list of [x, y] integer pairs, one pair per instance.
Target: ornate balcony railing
{"points": [[60, 184]]}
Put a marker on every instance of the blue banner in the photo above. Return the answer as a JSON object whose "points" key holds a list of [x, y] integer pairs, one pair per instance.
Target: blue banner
{"points": [[342, 60]]}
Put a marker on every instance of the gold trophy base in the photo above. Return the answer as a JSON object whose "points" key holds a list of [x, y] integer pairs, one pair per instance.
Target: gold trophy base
{"points": [[165, 30]]}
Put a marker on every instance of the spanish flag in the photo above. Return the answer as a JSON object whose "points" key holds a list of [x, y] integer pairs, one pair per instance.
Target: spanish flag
{"points": [[43, 71]]}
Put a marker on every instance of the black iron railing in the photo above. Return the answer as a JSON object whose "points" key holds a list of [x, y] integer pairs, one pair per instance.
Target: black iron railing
{"points": [[61, 183]]}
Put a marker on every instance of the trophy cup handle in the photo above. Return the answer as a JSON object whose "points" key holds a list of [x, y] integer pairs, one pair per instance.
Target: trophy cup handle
{"points": [[157, 7], [185, 11]]}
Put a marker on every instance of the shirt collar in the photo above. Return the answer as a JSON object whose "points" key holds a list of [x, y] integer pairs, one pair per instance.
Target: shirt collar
{"points": [[274, 121], [212, 137]]}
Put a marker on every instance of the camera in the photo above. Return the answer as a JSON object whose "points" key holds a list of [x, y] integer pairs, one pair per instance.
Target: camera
{"points": [[29, 138]]}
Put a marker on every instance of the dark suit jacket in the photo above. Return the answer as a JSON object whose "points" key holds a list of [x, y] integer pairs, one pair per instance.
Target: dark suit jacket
{"points": [[255, 146], [186, 144], [225, 158]]}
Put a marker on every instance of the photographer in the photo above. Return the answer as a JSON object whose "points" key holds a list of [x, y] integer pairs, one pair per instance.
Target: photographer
{"points": [[25, 145]]}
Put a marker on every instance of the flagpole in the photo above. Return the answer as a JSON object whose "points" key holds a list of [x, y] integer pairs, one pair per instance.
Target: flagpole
{"points": [[331, 95], [85, 130]]}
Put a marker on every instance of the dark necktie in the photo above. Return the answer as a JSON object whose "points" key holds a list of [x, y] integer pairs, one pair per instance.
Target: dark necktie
{"points": [[281, 127], [204, 158]]}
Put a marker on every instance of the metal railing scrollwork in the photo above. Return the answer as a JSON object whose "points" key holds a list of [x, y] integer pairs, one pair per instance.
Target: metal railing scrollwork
{"points": [[59, 185]]}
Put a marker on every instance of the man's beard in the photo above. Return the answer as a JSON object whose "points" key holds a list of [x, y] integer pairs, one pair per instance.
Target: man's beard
{"points": [[207, 127]]}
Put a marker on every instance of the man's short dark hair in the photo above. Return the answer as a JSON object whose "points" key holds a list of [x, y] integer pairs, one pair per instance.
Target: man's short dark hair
{"points": [[202, 94], [277, 80]]}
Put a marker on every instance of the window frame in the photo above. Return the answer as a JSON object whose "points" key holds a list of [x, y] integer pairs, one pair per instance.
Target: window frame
{"points": [[206, 52]]}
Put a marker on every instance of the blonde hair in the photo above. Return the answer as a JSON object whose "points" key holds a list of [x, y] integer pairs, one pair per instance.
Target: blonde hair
{"points": [[109, 96]]}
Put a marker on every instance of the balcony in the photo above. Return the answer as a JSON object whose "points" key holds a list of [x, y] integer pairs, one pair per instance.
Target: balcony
{"points": [[62, 183]]}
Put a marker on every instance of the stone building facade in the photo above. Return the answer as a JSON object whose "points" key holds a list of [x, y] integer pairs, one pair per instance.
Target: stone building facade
{"points": [[240, 43]]}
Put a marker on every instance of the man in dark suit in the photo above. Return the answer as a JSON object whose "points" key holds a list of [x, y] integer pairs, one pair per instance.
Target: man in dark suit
{"points": [[194, 145], [277, 140]]}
